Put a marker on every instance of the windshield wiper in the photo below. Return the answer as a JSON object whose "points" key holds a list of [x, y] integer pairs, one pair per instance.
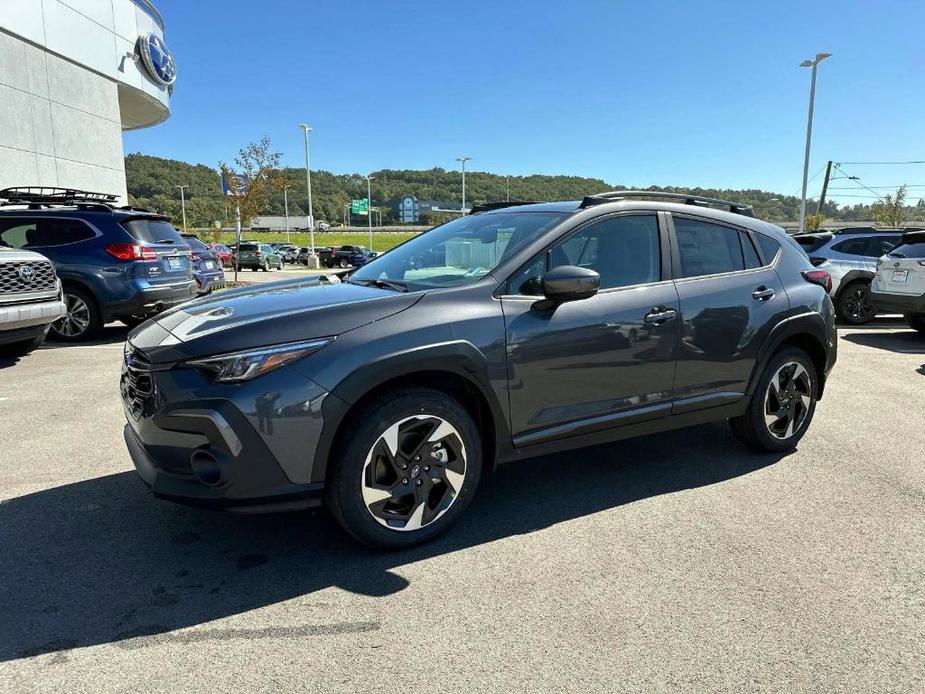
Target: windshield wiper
{"points": [[165, 241], [381, 283]]}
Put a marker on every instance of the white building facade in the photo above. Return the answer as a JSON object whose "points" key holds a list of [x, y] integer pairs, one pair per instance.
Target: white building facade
{"points": [[73, 75]]}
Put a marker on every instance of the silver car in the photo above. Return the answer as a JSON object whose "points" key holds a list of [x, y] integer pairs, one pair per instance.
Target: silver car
{"points": [[30, 300], [850, 257]]}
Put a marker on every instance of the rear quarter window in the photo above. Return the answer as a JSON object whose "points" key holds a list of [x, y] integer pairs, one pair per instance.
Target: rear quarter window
{"points": [[909, 250], [769, 247]]}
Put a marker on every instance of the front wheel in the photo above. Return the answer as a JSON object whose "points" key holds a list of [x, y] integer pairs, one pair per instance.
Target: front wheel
{"points": [[916, 321], [853, 305], [782, 405], [408, 470]]}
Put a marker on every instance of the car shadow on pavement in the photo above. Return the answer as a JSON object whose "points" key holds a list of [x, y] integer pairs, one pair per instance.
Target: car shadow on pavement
{"points": [[102, 561], [907, 341], [110, 334]]}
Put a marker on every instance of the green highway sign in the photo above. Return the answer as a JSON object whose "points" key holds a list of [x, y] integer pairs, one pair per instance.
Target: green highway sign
{"points": [[360, 206]]}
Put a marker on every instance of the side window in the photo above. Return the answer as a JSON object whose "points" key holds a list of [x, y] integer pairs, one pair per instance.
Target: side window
{"points": [[707, 249], [58, 232], [17, 233], [769, 247], [623, 250], [852, 247], [748, 251], [881, 245]]}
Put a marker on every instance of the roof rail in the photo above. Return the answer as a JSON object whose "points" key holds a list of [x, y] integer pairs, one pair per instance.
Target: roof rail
{"points": [[489, 206], [45, 195], [685, 198]]}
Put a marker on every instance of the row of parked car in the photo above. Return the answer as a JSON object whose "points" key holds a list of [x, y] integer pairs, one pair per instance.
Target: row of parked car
{"points": [[873, 270], [268, 256], [72, 261]]}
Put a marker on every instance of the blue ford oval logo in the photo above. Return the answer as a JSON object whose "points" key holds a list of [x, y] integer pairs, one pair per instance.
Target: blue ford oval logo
{"points": [[157, 59]]}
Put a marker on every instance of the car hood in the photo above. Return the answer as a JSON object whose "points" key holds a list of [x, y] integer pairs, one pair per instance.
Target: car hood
{"points": [[268, 314]]}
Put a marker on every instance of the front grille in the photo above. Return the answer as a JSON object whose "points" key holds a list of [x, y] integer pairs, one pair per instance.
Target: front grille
{"points": [[16, 280], [136, 384]]}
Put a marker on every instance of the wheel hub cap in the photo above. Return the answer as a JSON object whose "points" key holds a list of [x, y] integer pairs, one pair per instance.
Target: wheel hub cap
{"points": [[414, 472], [787, 401]]}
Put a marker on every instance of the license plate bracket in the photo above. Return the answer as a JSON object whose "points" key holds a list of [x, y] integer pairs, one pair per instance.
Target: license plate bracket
{"points": [[900, 276], [173, 263]]}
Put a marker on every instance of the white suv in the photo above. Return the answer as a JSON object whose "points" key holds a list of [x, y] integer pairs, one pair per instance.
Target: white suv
{"points": [[30, 300], [899, 283]]}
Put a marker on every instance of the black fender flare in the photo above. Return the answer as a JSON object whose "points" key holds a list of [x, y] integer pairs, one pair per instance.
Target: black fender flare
{"points": [[853, 276], [458, 357], [810, 323]]}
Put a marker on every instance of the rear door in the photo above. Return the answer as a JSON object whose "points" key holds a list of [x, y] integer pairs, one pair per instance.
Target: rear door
{"points": [[171, 262], [730, 298]]}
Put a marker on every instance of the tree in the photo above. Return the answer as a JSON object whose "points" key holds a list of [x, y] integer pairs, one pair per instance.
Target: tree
{"points": [[891, 211], [255, 174], [814, 221]]}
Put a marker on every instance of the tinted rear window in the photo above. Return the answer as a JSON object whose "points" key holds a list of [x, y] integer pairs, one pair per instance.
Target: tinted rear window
{"points": [[811, 243], [910, 250], [153, 231], [247, 247], [195, 243]]}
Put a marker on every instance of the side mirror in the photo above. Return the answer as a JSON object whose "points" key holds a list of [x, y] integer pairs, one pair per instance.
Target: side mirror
{"points": [[570, 283]]}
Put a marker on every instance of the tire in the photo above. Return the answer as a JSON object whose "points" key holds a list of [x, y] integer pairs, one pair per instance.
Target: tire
{"points": [[343, 263], [82, 320], [266, 266], [916, 321], [365, 462], [22, 348], [755, 429], [853, 304]]}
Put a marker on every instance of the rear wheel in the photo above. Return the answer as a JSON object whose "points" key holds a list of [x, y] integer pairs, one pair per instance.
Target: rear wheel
{"points": [[408, 471], [82, 319], [853, 304], [916, 321], [782, 406]]}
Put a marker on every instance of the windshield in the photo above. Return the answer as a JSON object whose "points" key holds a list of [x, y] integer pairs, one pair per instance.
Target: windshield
{"points": [[458, 252]]}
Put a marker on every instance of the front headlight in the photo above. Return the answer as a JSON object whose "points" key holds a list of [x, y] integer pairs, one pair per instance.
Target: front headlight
{"points": [[243, 366]]}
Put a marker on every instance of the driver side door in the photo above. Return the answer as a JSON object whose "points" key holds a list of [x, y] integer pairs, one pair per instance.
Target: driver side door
{"points": [[603, 361]]}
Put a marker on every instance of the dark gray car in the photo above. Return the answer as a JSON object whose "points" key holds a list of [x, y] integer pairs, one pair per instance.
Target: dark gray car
{"points": [[505, 334]]}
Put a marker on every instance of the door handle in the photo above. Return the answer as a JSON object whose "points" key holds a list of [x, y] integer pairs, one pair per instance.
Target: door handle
{"points": [[763, 293], [657, 316]]}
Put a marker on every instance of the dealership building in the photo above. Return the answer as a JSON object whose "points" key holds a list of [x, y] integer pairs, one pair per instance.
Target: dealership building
{"points": [[73, 75]]}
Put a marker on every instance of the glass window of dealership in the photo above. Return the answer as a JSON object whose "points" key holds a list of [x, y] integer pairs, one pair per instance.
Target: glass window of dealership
{"points": [[73, 75]]}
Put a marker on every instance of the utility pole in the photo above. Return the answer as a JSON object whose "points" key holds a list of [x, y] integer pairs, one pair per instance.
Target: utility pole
{"points": [[825, 187], [814, 63], [183, 205], [508, 188], [312, 259]]}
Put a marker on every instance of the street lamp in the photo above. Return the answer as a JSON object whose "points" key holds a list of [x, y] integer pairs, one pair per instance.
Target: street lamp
{"points": [[312, 259], [369, 209], [463, 160], [814, 63], [183, 204]]}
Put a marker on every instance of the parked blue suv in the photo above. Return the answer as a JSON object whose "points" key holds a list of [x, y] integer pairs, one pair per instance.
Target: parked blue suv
{"points": [[115, 263]]}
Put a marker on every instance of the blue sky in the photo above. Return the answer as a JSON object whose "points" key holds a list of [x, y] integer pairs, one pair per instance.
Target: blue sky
{"points": [[665, 93]]}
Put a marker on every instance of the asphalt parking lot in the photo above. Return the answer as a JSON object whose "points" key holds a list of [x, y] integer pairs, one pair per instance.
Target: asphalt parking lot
{"points": [[675, 563]]}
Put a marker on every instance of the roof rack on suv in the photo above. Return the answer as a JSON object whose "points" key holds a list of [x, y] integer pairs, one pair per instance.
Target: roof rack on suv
{"points": [[685, 198], [43, 195], [488, 206]]}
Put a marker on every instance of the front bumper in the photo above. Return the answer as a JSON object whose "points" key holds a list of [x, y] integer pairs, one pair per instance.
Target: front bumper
{"points": [[152, 300], [244, 447], [18, 316], [897, 303]]}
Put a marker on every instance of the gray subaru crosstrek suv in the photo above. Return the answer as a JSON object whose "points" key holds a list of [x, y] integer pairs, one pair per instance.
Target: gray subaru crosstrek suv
{"points": [[515, 331]]}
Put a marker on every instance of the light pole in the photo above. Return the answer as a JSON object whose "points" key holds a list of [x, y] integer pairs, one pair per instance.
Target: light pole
{"points": [[312, 259], [508, 189], [463, 160], [183, 204], [369, 208], [286, 211], [814, 63]]}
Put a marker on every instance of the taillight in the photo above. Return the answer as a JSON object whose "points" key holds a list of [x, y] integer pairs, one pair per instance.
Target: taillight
{"points": [[257, 253], [130, 251], [816, 260], [820, 277]]}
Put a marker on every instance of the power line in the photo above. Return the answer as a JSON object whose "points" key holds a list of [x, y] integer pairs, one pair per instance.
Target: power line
{"points": [[878, 163], [901, 185]]}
